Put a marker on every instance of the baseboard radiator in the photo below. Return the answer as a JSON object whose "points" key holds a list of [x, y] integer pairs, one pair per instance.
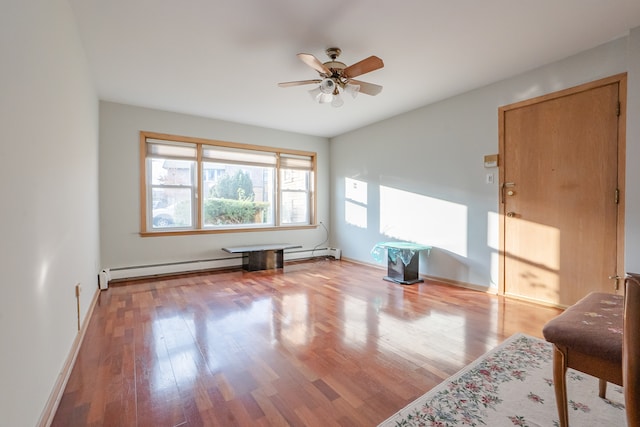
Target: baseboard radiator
{"points": [[132, 272]]}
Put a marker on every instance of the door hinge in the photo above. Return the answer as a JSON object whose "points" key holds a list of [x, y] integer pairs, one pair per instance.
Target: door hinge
{"points": [[618, 109], [616, 278], [617, 197]]}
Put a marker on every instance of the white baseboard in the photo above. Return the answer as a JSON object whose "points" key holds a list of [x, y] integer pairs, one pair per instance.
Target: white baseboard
{"points": [[49, 411], [117, 273], [171, 268]]}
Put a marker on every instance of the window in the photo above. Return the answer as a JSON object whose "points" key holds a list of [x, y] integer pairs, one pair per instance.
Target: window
{"points": [[194, 185], [295, 198]]}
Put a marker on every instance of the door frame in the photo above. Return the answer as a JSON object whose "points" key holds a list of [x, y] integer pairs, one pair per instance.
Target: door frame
{"points": [[621, 79]]}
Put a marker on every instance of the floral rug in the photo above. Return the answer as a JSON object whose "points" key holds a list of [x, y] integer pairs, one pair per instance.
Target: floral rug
{"points": [[512, 385]]}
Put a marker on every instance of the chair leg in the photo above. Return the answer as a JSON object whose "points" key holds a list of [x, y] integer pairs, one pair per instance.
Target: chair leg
{"points": [[633, 414], [602, 388], [560, 385]]}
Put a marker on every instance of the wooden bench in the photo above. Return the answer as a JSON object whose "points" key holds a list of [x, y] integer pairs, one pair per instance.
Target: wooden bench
{"points": [[587, 337], [262, 257]]}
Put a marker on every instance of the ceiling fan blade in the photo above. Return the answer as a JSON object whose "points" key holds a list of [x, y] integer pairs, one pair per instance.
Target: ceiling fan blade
{"points": [[299, 83], [367, 88], [365, 66], [314, 63]]}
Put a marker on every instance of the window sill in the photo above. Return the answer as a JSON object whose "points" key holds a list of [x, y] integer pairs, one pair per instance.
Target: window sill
{"points": [[160, 233]]}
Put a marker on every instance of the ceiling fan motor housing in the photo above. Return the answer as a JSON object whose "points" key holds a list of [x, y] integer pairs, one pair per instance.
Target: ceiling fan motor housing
{"points": [[333, 52], [336, 67]]}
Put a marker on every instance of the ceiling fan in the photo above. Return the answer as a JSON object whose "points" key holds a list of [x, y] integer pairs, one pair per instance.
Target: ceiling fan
{"points": [[337, 78]]}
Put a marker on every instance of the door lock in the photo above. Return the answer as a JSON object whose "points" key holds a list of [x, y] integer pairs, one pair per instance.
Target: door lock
{"points": [[502, 190], [511, 214]]}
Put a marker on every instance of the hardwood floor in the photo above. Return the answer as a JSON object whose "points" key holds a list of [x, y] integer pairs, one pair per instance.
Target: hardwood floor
{"points": [[322, 343]]}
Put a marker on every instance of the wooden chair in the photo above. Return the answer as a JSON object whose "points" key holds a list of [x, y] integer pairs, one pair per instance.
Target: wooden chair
{"points": [[587, 337], [631, 349]]}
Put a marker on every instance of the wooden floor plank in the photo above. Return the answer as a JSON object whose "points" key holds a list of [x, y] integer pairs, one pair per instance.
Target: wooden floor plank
{"points": [[320, 343]]}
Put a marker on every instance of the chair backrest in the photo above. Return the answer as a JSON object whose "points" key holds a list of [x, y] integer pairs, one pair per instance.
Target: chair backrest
{"points": [[631, 349]]}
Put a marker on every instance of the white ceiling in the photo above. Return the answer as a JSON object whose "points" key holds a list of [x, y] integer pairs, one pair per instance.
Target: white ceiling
{"points": [[224, 58]]}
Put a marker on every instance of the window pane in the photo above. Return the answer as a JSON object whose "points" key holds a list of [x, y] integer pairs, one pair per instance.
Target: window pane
{"points": [[172, 198], [237, 195], [295, 179], [171, 172], [295, 207], [171, 207]]}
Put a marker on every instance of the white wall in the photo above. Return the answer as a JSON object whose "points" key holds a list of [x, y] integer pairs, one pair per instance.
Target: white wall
{"points": [[433, 156], [121, 244], [48, 200]]}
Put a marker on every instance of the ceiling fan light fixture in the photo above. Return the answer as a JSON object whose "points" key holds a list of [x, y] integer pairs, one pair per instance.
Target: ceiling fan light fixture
{"points": [[327, 93], [337, 101], [327, 86], [325, 98], [315, 93]]}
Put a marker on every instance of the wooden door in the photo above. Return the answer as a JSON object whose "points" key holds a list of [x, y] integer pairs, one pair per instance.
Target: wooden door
{"points": [[560, 194]]}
